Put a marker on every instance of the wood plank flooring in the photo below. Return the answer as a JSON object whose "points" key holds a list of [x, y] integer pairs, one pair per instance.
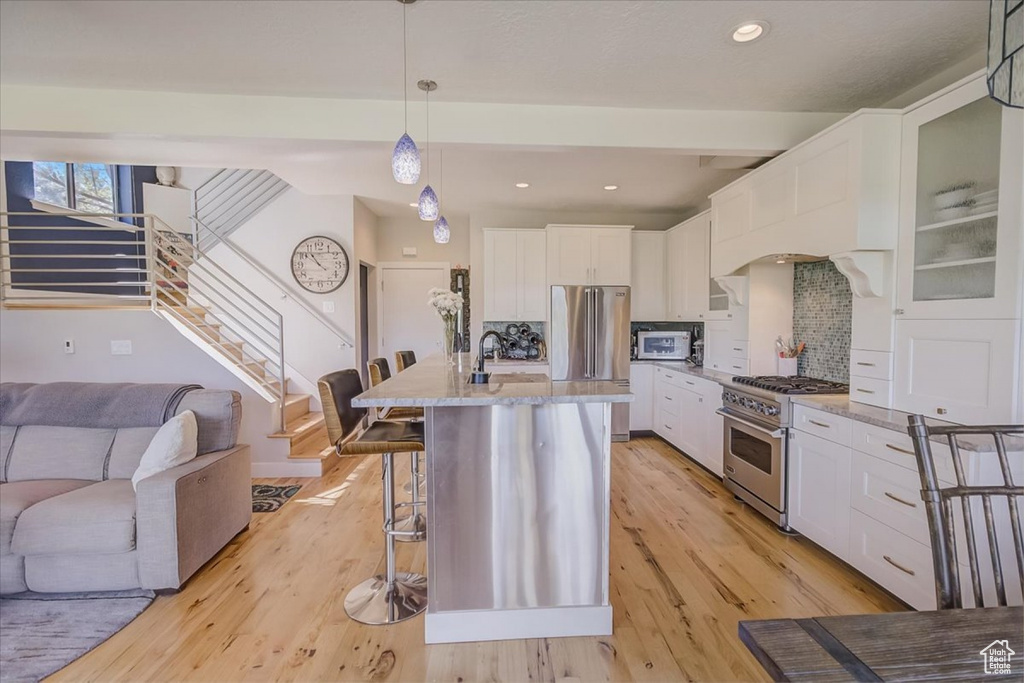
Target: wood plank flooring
{"points": [[687, 564]]}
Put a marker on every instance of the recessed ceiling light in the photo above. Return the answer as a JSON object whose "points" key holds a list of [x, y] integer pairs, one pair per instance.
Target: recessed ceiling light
{"points": [[414, 205], [522, 186], [781, 260], [751, 30], [611, 187]]}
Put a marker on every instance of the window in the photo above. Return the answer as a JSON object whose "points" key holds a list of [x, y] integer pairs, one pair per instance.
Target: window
{"points": [[89, 188]]}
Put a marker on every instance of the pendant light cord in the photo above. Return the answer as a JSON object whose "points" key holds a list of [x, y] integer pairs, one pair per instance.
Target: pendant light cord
{"points": [[426, 145], [440, 180], [405, 69]]}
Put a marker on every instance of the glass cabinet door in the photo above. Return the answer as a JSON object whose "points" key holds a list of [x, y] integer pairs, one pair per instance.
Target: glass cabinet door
{"points": [[718, 300], [956, 217]]}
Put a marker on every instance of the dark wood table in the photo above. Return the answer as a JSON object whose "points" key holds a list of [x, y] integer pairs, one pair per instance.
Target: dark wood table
{"points": [[899, 646]]}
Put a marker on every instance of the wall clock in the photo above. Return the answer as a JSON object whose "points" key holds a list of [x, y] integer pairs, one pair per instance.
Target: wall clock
{"points": [[319, 264]]}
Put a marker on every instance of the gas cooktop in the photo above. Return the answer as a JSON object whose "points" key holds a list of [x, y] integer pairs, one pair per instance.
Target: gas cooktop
{"points": [[793, 385]]}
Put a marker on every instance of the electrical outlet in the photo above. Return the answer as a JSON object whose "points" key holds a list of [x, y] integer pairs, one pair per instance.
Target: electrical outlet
{"points": [[408, 251], [120, 347], [69, 346], [328, 306]]}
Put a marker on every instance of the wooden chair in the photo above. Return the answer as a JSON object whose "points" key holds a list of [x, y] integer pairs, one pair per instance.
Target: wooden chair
{"points": [[393, 596], [404, 359], [379, 371], [943, 515]]}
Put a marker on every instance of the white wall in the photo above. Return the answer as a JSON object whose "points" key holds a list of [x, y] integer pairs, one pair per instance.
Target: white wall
{"points": [[31, 350], [395, 233], [365, 229]]}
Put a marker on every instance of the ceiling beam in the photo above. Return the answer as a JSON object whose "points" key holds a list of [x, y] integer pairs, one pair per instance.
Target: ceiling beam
{"points": [[95, 112]]}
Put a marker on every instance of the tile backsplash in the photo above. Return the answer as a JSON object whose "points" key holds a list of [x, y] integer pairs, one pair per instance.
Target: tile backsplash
{"points": [[822, 317]]}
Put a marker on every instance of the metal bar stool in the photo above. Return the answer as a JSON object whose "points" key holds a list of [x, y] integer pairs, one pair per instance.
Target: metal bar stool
{"points": [[379, 371], [393, 596], [404, 359]]}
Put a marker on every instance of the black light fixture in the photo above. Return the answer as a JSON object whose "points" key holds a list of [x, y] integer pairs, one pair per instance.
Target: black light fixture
{"points": [[1006, 52]]}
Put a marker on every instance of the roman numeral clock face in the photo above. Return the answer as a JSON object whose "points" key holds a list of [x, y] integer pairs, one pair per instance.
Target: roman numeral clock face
{"points": [[320, 265]]}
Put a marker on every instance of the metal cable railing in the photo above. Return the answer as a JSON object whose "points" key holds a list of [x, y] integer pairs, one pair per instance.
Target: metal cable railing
{"points": [[79, 260]]}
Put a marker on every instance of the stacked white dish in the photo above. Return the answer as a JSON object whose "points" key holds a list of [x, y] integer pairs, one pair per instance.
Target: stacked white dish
{"points": [[985, 202], [954, 201]]}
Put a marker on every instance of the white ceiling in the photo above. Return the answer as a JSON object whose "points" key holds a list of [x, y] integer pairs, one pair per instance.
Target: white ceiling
{"points": [[819, 55], [656, 188]]}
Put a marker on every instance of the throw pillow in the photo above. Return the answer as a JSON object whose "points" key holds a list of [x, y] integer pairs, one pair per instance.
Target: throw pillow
{"points": [[175, 443]]}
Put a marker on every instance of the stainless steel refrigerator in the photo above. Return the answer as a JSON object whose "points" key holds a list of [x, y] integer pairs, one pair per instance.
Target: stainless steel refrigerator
{"points": [[589, 340]]}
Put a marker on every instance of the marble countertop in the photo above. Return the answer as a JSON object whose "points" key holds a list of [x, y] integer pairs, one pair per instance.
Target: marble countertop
{"points": [[430, 383]]}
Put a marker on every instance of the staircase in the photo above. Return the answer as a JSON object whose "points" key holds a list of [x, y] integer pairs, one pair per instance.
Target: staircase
{"points": [[230, 198], [76, 263]]}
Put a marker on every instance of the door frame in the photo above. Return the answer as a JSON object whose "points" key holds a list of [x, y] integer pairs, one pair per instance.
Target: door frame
{"points": [[383, 267]]}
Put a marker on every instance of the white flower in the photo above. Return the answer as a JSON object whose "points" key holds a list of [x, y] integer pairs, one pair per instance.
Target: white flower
{"points": [[446, 303]]}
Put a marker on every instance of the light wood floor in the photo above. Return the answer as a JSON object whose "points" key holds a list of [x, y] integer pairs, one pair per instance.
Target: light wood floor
{"points": [[687, 563]]}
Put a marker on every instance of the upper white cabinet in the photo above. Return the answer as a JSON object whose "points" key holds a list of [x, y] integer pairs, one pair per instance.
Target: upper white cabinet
{"points": [[515, 272], [589, 255], [961, 215], [649, 295], [837, 192], [687, 256]]}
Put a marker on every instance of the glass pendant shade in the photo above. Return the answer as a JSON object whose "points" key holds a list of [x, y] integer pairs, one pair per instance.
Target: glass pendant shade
{"points": [[441, 231], [1006, 52], [405, 161], [429, 207]]}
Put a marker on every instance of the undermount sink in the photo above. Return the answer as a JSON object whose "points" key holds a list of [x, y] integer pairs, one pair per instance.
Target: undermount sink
{"points": [[518, 378]]}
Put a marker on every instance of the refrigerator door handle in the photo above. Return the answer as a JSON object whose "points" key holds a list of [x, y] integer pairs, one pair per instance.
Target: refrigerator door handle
{"points": [[588, 332]]}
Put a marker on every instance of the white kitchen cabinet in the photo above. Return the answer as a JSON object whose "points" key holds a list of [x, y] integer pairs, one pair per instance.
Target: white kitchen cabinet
{"points": [[961, 211], [846, 178], [819, 491], [691, 424], [589, 255], [649, 295], [687, 254], [515, 274], [641, 410], [962, 371]]}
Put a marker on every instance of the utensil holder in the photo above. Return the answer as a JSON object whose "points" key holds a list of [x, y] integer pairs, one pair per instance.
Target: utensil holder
{"points": [[787, 367]]}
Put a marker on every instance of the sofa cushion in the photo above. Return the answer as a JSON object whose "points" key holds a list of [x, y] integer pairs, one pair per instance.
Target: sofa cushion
{"points": [[173, 445], [7, 433], [99, 518], [218, 414], [59, 453], [18, 496], [126, 453]]}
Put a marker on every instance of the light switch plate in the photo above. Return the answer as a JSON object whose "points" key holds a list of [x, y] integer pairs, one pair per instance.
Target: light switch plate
{"points": [[328, 306], [408, 251], [69, 346], [120, 347]]}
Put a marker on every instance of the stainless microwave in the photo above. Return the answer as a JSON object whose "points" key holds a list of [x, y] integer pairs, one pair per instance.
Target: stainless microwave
{"points": [[662, 345]]}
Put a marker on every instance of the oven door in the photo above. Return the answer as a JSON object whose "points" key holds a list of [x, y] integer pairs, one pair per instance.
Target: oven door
{"points": [[754, 458]]}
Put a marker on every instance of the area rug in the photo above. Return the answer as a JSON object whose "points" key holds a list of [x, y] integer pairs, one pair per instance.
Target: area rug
{"points": [[41, 633], [269, 498]]}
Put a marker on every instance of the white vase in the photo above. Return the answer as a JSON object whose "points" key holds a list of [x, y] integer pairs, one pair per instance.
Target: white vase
{"points": [[787, 367], [166, 175]]}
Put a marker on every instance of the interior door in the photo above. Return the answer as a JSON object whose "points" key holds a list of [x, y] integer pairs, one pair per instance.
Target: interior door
{"points": [[407, 322]]}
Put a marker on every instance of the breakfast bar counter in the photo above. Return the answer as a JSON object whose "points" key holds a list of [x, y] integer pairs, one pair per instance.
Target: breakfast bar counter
{"points": [[518, 487]]}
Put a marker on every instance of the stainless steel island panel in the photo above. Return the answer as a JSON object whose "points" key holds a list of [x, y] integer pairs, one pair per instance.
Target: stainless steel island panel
{"points": [[518, 516]]}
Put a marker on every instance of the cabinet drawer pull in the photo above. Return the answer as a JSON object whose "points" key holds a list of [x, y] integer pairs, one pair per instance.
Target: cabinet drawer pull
{"points": [[900, 500], [667, 398], [688, 382], [867, 365], [900, 450], [737, 367], [668, 428], [865, 391], [820, 424], [736, 349], [899, 566]]}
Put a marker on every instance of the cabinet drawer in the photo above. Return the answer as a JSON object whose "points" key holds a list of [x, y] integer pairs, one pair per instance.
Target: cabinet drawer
{"points": [[667, 427], [898, 449], [670, 376], [889, 494], [826, 425], [875, 364], [896, 561], [874, 392], [739, 349], [740, 366], [669, 399]]}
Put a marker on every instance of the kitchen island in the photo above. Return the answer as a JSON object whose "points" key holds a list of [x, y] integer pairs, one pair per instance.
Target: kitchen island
{"points": [[518, 486]]}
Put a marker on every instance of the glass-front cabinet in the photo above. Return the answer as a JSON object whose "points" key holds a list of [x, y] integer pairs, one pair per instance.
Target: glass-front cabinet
{"points": [[961, 213]]}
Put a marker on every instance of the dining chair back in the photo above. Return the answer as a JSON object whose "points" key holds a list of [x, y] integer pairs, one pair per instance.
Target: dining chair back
{"points": [[962, 512], [379, 371], [404, 359], [337, 389]]}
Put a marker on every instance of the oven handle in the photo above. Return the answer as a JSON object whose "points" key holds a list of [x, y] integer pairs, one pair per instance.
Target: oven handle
{"points": [[777, 434]]}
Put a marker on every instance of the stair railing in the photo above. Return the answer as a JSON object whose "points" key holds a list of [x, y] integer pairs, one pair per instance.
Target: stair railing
{"points": [[85, 260]]}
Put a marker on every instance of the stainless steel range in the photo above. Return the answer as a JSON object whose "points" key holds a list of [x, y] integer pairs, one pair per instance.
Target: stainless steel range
{"points": [[758, 415]]}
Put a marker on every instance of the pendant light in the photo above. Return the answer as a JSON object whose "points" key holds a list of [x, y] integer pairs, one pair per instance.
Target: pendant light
{"points": [[442, 233], [428, 205], [1006, 52], [405, 159]]}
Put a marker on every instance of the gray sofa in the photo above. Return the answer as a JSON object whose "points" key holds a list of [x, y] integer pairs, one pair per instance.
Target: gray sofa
{"points": [[70, 519]]}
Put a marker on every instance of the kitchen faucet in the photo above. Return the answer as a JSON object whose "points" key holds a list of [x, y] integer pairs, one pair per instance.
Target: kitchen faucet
{"points": [[479, 376]]}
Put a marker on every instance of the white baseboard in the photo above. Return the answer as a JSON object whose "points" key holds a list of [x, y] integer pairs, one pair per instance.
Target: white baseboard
{"points": [[289, 468], [516, 624]]}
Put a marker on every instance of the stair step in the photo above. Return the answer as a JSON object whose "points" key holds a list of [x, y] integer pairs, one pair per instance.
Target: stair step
{"points": [[295, 405], [327, 457], [301, 427]]}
